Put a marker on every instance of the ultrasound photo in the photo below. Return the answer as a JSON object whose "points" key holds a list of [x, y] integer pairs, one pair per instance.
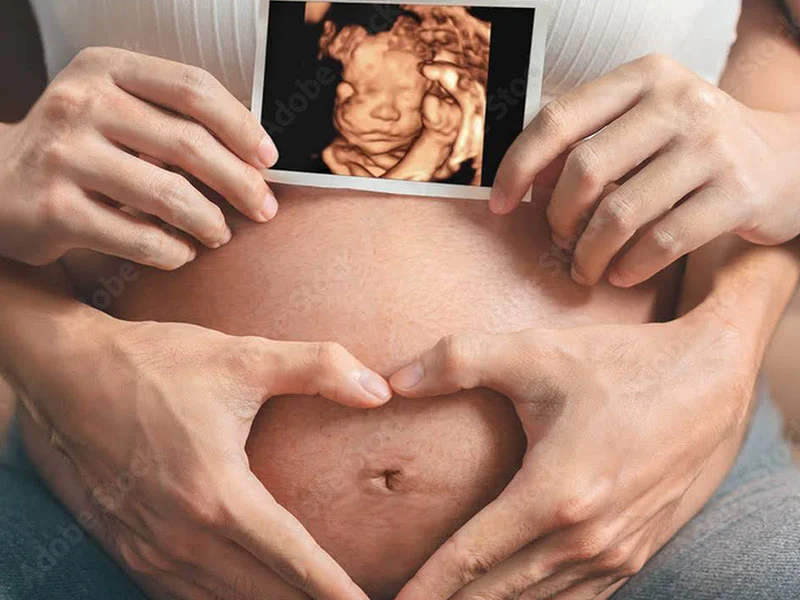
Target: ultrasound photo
{"points": [[420, 98]]}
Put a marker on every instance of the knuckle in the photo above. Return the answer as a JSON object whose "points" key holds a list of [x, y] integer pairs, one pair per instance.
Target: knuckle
{"points": [[247, 127], [253, 185], [456, 351], [618, 213], [512, 171], [613, 560], [191, 139], [584, 163], [194, 85], [665, 242], [699, 101], [592, 546], [292, 571], [53, 209], [633, 566], [132, 560], [174, 196], [144, 559], [553, 119], [63, 101], [244, 357], [577, 508], [330, 355], [717, 146], [217, 225], [90, 56], [149, 244], [656, 62]]}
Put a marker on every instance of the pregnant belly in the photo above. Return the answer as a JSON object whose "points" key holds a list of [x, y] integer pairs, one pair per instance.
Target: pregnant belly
{"points": [[386, 277]]}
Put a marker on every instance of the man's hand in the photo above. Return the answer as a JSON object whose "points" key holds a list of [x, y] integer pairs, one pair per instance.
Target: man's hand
{"points": [[167, 409], [621, 422]]}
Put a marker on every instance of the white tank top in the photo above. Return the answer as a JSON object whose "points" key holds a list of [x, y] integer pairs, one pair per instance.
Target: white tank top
{"points": [[586, 38]]}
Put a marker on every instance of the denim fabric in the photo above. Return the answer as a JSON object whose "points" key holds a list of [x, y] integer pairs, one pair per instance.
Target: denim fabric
{"points": [[44, 554]]}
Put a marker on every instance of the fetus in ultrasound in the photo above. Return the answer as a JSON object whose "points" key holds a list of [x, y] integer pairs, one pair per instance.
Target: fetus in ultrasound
{"points": [[412, 101]]}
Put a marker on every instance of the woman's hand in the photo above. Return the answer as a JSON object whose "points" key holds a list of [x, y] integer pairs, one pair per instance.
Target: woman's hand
{"points": [[152, 421], [111, 131], [621, 424], [674, 162]]}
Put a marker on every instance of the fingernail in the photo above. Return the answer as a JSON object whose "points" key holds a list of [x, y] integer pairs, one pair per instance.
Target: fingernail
{"points": [[374, 385], [408, 378], [617, 280], [560, 242], [577, 276], [226, 237], [270, 208], [498, 201], [267, 152]]}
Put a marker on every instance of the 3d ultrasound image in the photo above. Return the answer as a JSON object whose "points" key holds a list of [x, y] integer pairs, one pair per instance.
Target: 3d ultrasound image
{"points": [[394, 91], [412, 101]]}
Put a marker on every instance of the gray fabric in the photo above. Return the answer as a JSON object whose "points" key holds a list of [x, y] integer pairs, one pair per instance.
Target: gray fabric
{"points": [[44, 554], [744, 545]]}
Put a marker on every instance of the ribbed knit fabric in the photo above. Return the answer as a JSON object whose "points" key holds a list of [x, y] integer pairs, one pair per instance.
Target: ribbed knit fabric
{"points": [[587, 37]]}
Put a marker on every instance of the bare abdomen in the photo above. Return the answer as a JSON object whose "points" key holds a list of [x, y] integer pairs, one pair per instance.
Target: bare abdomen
{"points": [[386, 277]]}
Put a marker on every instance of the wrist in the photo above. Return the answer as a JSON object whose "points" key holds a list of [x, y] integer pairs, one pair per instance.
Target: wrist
{"points": [[40, 322], [742, 290]]}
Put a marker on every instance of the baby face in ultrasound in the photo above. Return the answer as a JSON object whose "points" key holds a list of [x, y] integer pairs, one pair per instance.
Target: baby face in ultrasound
{"points": [[411, 103], [379, 99]]}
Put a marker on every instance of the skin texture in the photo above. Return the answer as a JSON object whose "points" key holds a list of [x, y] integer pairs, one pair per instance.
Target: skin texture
{"points": [[556, 304], [186, 519], [630, 203], [416, 271], [585, 545], [71, 172]]}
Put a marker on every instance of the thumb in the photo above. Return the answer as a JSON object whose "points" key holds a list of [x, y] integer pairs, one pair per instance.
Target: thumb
{"points": [[459, 362], [324, 369]]}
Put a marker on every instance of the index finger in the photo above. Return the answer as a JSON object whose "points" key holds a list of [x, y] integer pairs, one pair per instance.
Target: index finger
{"points": [[560, 124], [273, 536], [497, 532], [195, 93]]}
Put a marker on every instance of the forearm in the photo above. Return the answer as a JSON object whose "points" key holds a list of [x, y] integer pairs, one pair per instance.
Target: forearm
{"points": [[745, 285], [38, 314], [742, 286]]}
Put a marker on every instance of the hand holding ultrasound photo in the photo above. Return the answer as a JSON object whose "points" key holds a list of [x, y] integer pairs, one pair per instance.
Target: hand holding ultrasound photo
{"points": [[420, 99]]}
